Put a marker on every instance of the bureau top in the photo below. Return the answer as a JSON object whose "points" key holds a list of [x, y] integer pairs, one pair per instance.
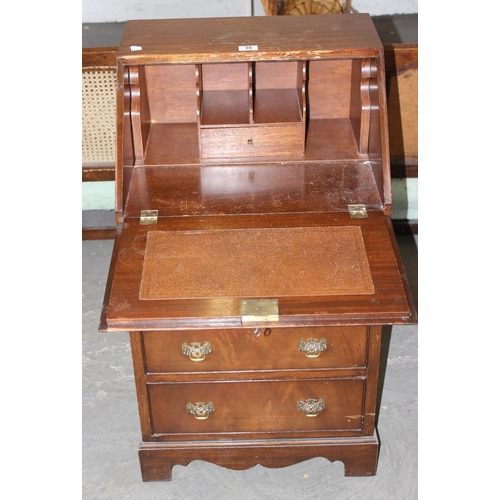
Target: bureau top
{"points": [[249, 38]]}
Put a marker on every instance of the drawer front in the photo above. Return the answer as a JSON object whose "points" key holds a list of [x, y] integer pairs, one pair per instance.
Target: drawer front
{"points": [[255, 349], [257, 406], [276, 140]]}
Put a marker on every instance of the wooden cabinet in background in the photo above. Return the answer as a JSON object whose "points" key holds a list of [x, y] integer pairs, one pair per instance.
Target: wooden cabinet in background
{"points": [[255, 262]]}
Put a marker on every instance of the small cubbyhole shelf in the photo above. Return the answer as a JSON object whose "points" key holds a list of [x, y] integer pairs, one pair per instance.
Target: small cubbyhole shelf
{"points": [[252, 109]]}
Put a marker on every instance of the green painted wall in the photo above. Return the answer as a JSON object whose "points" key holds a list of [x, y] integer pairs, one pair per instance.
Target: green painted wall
{"points": [[405, 199], [98, 195]]}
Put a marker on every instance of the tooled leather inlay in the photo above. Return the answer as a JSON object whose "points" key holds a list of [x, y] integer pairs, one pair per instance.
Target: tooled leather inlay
{"points": [[255, 263]]}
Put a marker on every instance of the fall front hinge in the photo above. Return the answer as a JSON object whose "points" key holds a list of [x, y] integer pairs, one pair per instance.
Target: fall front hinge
{"points": [[357, 211], [149, 217]]}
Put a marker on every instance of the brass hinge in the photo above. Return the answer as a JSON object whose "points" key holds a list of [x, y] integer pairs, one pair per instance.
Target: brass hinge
{"points": [[149, 217], [259, 310], [357, 211]]}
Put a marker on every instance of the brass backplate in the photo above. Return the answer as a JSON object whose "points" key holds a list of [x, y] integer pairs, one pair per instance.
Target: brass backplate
{"points": [[259, 310]]}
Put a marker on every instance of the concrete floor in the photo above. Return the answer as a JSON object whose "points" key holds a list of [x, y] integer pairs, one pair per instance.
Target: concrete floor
{"points": [[111, 432]]}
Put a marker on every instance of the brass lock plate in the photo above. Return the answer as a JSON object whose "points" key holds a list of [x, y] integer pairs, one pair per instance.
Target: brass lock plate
{"points": [[259, 310]]}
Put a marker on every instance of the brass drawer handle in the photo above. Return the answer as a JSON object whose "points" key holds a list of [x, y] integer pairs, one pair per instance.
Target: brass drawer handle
{"points": [[196, 351], [312, 348], [200, 410], [311, 407]]}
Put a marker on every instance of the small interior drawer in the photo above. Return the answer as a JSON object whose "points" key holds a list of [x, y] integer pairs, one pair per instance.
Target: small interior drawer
{"points": [[257, 406], [282, 139], [255, 349]]}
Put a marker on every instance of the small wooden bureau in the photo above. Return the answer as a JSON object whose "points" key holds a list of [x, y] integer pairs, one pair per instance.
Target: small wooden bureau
{"points": [[255, 262]]}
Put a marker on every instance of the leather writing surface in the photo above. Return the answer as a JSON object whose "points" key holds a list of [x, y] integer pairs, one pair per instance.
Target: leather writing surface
{"points": [[276, 262]]}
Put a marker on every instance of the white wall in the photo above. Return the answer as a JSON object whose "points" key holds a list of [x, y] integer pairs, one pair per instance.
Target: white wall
{"points": [[103, 11]]}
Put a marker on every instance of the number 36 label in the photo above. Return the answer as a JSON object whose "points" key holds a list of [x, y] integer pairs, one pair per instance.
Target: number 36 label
{"points": [[246, 48]]}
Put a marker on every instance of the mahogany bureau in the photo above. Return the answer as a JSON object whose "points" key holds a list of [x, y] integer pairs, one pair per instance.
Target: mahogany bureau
{"points": [[255, 262]]}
